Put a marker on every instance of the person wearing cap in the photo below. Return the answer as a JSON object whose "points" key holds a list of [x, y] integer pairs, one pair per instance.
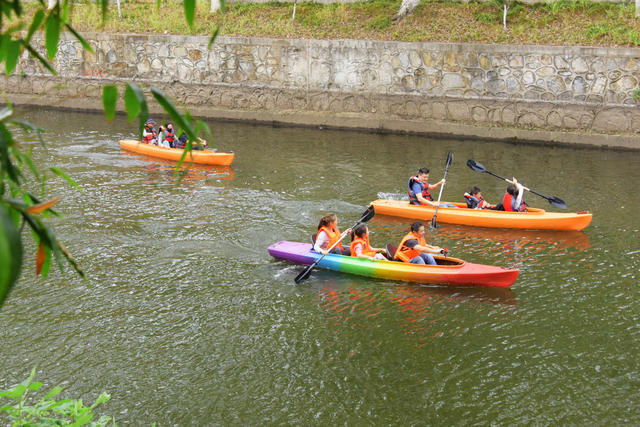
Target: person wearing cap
{"points": [[149, 134]]}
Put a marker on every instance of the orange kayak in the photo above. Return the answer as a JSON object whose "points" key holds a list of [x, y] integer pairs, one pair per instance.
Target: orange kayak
{"points": [[535, 219], [206, 157]]}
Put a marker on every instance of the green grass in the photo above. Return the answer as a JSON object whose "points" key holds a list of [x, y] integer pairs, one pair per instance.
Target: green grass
{"points": [[561, 22]]}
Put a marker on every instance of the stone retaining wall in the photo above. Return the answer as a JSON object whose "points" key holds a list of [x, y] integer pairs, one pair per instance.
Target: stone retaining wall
{"points": [[544, 93]]}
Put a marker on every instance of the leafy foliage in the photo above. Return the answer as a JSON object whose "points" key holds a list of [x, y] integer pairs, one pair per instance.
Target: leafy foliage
{"points": [[19, 206], [21, 409]]}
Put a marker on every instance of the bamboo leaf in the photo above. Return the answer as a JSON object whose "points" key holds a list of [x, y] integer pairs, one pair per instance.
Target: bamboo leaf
{"points": [[170, 108], [10, 253], [41, 58], [36, 209], [11, 60], [38, 17], [52, 34], [81, 39], [189, 11], [109, 99], [131, 103], [213, 38], [65, 177], [144, 110]]}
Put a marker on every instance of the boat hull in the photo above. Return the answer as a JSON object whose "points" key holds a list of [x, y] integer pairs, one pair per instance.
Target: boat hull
{"points": [[535, 219], [459, 272], [206, 157]]}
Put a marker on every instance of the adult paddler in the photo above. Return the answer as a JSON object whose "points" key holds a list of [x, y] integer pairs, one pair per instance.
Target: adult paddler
{"points": [[414, 249], [420, 189]]}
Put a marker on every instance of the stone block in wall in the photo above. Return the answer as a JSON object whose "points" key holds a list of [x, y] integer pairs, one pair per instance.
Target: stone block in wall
{"points": [[612, 120]]}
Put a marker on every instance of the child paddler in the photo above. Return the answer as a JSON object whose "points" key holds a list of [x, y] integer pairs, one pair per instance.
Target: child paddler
{"points": [[360, 246]]}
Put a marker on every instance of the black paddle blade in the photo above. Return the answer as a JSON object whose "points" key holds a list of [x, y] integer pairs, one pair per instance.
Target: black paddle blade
{"points": [[368, 214], [433, 222], [558, 203], [475, 166], [303, 276], [449, 160]]}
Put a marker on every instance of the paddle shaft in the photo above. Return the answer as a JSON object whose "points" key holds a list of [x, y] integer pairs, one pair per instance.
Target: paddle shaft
{"points": [[511, 182], [446, 169]]}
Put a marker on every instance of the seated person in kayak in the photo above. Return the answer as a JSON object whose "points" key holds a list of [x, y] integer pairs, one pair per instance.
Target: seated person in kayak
{"points": [[149, 134], [414, 249], [419, 188], [360, 246], [181, 142], [512, 201], [328, 235], [168, 135], [475, 200]]}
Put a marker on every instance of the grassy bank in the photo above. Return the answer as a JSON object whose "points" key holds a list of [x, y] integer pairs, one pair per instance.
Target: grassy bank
{"points": [[558, 23]]}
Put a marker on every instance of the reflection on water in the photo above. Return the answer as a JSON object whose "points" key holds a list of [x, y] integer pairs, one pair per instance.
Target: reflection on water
{"points": [[417, 310], [188, 171]]}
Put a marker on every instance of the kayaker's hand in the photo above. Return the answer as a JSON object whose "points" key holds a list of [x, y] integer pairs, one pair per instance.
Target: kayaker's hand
{"points": [[442, 181]]}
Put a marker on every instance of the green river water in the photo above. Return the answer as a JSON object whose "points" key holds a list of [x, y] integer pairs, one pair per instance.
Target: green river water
{"points": [[186, 319]]}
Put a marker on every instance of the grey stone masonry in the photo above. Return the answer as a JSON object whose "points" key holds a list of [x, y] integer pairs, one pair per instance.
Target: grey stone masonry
{"points": [[546, 93]]}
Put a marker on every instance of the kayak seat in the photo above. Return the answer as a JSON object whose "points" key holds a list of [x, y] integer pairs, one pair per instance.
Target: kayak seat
{"points": [[313, 238], [391, 251]]}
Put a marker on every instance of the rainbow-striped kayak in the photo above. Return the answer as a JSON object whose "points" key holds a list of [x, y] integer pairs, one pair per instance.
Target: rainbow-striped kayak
{"points": [[535, 219], [450, 271]]}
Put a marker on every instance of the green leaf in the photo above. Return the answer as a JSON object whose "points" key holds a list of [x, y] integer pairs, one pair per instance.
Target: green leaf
{"points": [[66, 177], [10, 253], [85, 44], [109, 99], [104, 4], [35, 24], [54, 392], [13, 52], [35, 386], [213, 38], [189, 11], [52, 34], [131, 103], [143, 109], [104, 397], [170, 108], [41, 58]]}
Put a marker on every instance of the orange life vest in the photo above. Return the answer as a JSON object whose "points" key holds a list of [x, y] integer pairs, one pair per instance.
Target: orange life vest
{"points": [[366, 247], [406, 254], [333, 234], [506, 203]]}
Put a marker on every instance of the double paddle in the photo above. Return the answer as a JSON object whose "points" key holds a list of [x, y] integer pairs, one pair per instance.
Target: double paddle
{"points": [[478, 167], [446, 169], [366, 216]]}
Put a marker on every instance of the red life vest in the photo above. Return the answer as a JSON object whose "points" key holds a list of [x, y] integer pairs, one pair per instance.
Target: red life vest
{"points": [[150, 136], [406, 254], [506, 203], [366, 247], [413, 199], [170, 136], [333, 234]]}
